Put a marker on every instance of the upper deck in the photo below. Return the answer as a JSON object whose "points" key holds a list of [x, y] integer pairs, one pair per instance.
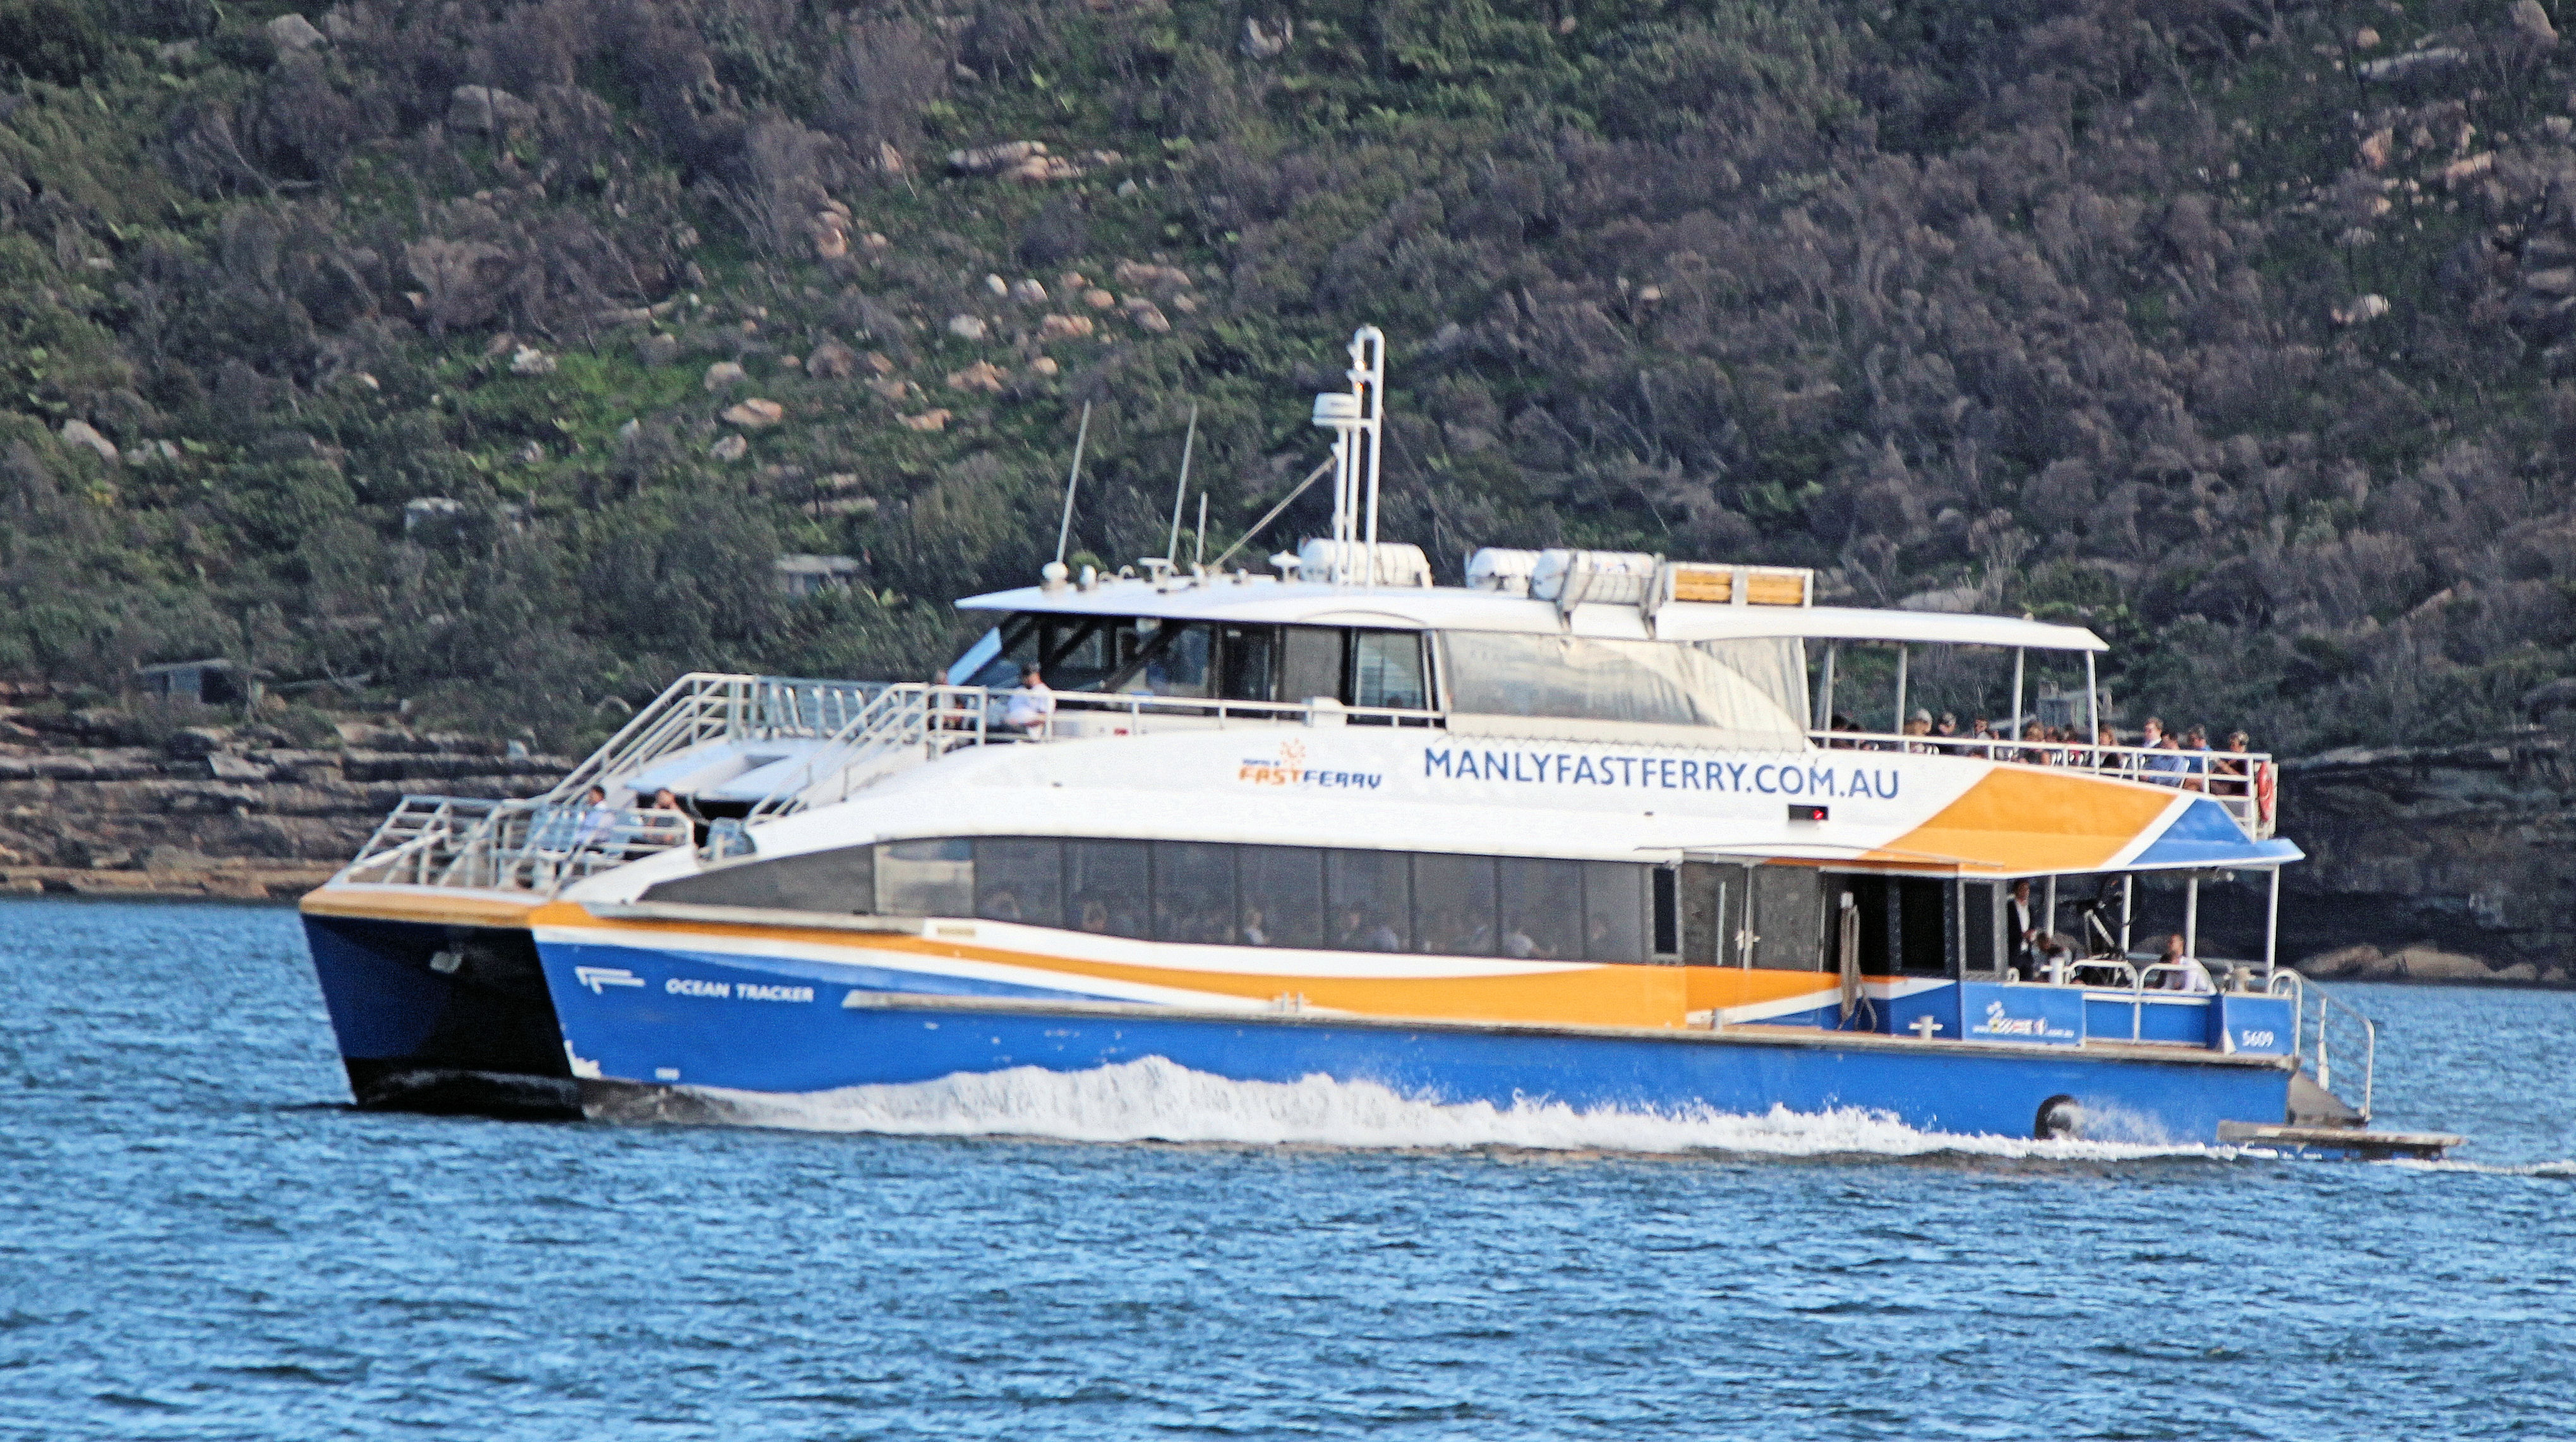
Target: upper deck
{"points": [[1241, 598]]}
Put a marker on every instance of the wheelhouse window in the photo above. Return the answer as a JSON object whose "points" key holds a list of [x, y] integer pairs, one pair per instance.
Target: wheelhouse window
{"points": [[1152, 656], [1386, 670]]}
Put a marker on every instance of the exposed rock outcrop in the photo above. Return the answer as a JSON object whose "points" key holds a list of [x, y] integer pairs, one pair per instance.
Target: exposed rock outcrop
{"points": [[2435, 863], [219, 810]]}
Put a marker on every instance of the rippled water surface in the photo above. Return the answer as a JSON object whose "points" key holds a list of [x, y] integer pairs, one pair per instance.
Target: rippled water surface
{"points": [[201, 1241]]}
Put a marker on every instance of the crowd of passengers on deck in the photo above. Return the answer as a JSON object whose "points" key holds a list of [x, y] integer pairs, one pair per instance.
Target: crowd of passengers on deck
{"points": [[2160, 755]]}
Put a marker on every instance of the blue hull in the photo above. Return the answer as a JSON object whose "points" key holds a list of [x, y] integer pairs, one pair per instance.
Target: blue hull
{"points": [[700, 1021]]}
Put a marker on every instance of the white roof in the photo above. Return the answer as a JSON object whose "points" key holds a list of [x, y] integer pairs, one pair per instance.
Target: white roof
{"points": [[1260, 600]]}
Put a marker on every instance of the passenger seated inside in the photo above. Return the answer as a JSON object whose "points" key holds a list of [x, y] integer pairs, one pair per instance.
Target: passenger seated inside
{"points": [[2178, 972]]}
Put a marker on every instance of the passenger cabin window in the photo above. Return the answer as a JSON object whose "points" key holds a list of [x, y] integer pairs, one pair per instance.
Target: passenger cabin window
{"points": [[1017, 879], [925, 878], [1223, 894], [1108, 886], [1281, 902], [1370, 894]]}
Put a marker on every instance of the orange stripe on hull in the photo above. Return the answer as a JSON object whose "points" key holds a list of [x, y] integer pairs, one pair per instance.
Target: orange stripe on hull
{"points": [[1718, 988], [428, 905], [2024, 819], [1604, 995]]}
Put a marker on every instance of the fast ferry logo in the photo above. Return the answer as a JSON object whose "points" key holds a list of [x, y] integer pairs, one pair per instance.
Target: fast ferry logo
{"points": [[1289, 768], [600, 978]]}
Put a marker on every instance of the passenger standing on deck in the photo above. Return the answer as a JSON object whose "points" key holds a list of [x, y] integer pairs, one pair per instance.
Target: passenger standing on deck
{"points": [[1920, 727], [1032, 706], [2025, 930], [1947, 730]]}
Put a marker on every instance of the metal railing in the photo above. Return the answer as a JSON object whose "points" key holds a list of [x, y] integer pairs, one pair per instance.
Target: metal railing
{"points": [[2247, 783], [2325, 1030], [708, 706], [419, 841], [940, 718], [865, 729], [532, 846]]}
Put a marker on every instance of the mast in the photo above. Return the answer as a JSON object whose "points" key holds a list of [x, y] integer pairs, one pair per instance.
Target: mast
{"points": [[1356, 418]]}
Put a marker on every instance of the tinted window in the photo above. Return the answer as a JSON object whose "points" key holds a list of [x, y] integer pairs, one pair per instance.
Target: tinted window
{"points": [[842, 881], [1079, 654], [1282, 896], [1105, 886], [1369, 900], [1250, 652], [1668, 912], [1614, 911], [1020, 879], [1453, 904], [1386, 669], [1176, 662], [1312, 666], [925, 878], [1542, 909], [1193, 892]]}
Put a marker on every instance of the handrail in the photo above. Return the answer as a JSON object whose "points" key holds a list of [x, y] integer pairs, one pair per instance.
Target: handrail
{"points": [[945, 718], [2251, 796], [706, 705]]}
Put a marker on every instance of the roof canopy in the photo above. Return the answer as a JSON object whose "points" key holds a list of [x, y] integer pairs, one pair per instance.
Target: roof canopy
{"points": [[1262, 601]]}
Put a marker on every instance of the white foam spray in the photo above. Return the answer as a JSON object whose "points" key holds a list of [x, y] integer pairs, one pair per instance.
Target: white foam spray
{"points": [[1156, 1100]]}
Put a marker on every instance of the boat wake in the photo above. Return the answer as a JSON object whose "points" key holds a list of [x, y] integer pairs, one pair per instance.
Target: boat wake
{"points": [[1154, 1100]]}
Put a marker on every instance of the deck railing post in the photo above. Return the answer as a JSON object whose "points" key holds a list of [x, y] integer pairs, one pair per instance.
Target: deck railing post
{"points": [[2016, 714], [2191, 917], [1825, 697], [2092, 711], [2128, 907], [2272, 928]]}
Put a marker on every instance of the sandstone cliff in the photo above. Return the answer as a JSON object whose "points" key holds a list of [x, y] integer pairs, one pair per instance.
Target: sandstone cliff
{"points": [[2436, 863], [99, 802]]}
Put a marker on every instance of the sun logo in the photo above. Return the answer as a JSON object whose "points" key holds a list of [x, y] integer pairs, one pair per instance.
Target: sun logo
{"points": [[1292, 755]]}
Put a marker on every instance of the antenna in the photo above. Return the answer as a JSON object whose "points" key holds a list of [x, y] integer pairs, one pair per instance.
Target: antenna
{"points": [[1172, 548], [1356, 419], [1198, 553], [1064, 529]]}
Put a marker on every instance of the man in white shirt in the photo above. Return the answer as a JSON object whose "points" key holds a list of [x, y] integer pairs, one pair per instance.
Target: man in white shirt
{"points": [[2179, 972], [1032, 706]]}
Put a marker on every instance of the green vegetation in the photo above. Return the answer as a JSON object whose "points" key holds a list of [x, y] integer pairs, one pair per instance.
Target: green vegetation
{"points": [[2243, 332]]}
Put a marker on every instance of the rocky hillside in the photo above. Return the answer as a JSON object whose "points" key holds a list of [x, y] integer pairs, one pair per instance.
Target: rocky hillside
{"points": [[485, 354], [104, 802]]}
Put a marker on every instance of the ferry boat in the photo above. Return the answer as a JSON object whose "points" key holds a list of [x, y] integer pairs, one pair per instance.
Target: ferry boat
{"points": [[1575, 832]]}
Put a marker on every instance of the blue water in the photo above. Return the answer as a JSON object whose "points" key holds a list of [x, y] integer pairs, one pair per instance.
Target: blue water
{"points": [[200, 1241]]}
